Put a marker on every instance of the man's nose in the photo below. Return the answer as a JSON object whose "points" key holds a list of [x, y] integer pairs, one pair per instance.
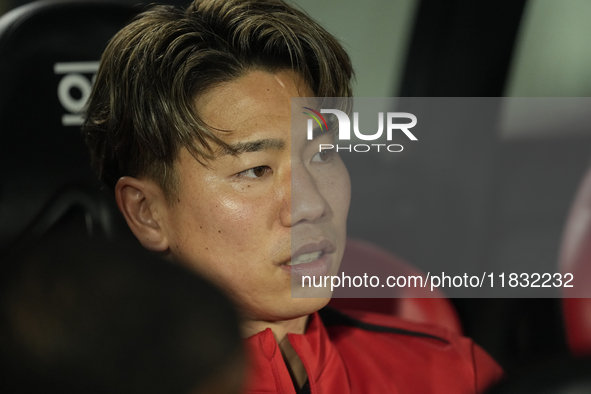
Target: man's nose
{"points": [[307, 203]]}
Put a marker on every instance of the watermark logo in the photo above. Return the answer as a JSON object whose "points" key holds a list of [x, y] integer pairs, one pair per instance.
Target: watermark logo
{"points": [[317, 117], [344, 132]]}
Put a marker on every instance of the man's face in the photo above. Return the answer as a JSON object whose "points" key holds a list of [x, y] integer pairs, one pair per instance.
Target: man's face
{"points": [[244, 221]]}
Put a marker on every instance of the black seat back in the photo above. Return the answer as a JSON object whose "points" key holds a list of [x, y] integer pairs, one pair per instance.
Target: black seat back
{"points": [[49, 53]]}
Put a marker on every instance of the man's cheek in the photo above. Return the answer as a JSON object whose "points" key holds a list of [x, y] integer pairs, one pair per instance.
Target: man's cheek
{"points": [[338, 197], [236, 226]]}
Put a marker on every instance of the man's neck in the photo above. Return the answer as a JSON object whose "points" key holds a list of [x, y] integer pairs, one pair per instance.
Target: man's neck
{"points": [[280, 330]]}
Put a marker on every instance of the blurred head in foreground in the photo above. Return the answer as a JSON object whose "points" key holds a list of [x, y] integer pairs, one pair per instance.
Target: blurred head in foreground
{"points": [[81, 316]]}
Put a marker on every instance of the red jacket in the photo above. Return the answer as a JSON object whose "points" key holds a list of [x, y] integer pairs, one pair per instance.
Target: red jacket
{"points": [[369, 353]]}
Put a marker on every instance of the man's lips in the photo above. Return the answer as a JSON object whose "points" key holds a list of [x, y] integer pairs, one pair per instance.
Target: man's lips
{"points": [[310, 252], [313, 258]]}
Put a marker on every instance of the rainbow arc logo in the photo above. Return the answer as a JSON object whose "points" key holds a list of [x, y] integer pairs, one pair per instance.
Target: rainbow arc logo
{"points": [[316, 115]]}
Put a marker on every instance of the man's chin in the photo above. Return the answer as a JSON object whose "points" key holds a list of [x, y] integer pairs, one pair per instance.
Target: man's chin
{"points": [[299, 292], [307, 306]]}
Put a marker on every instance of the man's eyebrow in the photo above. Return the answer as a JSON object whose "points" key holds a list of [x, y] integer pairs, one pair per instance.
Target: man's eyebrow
{"points": [[258, 145]]}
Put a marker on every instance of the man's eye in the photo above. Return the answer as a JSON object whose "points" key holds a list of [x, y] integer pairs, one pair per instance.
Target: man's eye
{"points": [[323, 155], [255, 172]]}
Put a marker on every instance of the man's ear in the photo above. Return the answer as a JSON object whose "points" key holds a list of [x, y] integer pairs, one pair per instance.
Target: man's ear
{"points": [[143, 204]]}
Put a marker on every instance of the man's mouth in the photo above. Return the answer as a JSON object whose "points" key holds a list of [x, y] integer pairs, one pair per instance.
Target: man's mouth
{"points": [[313, 258], [305, 258]]}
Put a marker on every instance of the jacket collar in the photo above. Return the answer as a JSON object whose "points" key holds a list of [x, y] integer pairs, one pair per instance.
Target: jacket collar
{"points": [[268, 372]]}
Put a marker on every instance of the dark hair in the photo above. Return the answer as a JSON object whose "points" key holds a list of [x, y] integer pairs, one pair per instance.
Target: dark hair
{"points": [[141, 111], [81, 315]]}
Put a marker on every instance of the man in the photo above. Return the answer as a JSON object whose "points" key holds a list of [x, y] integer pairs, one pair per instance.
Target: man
{"points": [[190, 122]]}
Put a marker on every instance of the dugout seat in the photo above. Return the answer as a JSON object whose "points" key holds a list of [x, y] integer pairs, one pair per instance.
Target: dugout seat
{"points": [[411, 303], [49, 53], [575, 258]]}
